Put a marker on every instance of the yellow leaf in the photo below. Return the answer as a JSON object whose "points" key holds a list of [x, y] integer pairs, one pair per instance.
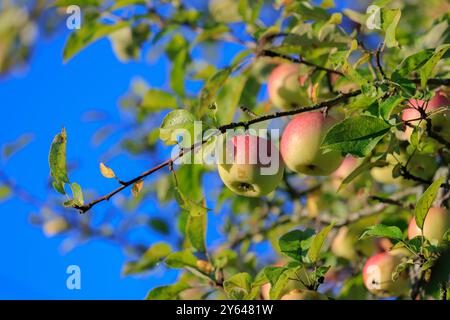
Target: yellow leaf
{"points": [[137, 187], [106, 172]]}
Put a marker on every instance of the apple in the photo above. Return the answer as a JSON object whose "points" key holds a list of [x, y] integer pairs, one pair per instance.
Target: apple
{"points": [[55, 226], [420, 165], [284, 86], [304, 295], [377, 274], [225, 11], [343, 244], [347, 166], [252, 167], [440, 122], [300, 145], [291, 285], [437, 222]]}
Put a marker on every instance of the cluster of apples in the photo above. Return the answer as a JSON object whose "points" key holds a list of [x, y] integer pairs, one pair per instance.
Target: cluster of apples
{"points": [[299, 147], [378, 269]]}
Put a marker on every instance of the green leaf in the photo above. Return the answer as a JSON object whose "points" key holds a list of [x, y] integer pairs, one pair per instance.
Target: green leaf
{"points": [[426, 70], [382, 231], [124, 3], [150, 259], [317, 243], [174, 122], [411, 63], [170, 292], [238, 286], [425, 202], [195, 209], [77, 193], [196, 231], [229, 97], [181, 259], [386, 107], [178, 71], [363, 167], [356, 135], [159, 225], [276, 290], [89, 33], [156, 100], [210, 89], [389, 22], [57, 161], [295, 244]]}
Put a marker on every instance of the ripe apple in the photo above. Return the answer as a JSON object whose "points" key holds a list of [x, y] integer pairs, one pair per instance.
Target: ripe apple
{"points": [[304, 295], [252, 166], [284, 86], [420, 165], [377, 274], [437, 222], [440, 122], [300, 145]]}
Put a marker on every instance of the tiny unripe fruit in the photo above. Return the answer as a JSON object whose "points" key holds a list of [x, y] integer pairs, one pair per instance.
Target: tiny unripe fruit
{"points": [[304, 295], [252, 167], [300, 145], [377, 275], [284, 86], [437, 222]]}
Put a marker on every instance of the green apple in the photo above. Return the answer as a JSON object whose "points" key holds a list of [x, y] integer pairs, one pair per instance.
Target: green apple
{"points": [[300, 145], [377, 275], [252, 166], [304, 295], [437, 222], [284, 86]]}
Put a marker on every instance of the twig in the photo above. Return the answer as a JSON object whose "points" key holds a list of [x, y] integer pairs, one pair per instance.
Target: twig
{"points": [[273, 54], [378, 60]]}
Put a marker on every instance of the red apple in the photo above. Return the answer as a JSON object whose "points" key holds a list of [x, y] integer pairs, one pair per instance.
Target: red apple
{"points": [[252, 166], [377, 275], [300, 145]]}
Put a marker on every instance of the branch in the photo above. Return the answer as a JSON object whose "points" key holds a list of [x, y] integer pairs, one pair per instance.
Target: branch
{"points": [[221, 129], [273, 54]]}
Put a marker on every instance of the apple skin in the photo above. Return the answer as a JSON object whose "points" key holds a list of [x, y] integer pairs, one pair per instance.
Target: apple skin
{"points": [[347, 166], [377, 275], [284, 86], [343, 245], [420, 165], [244, 177], [304, 295], [440, 122], [437, 222], [300, 145]]}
